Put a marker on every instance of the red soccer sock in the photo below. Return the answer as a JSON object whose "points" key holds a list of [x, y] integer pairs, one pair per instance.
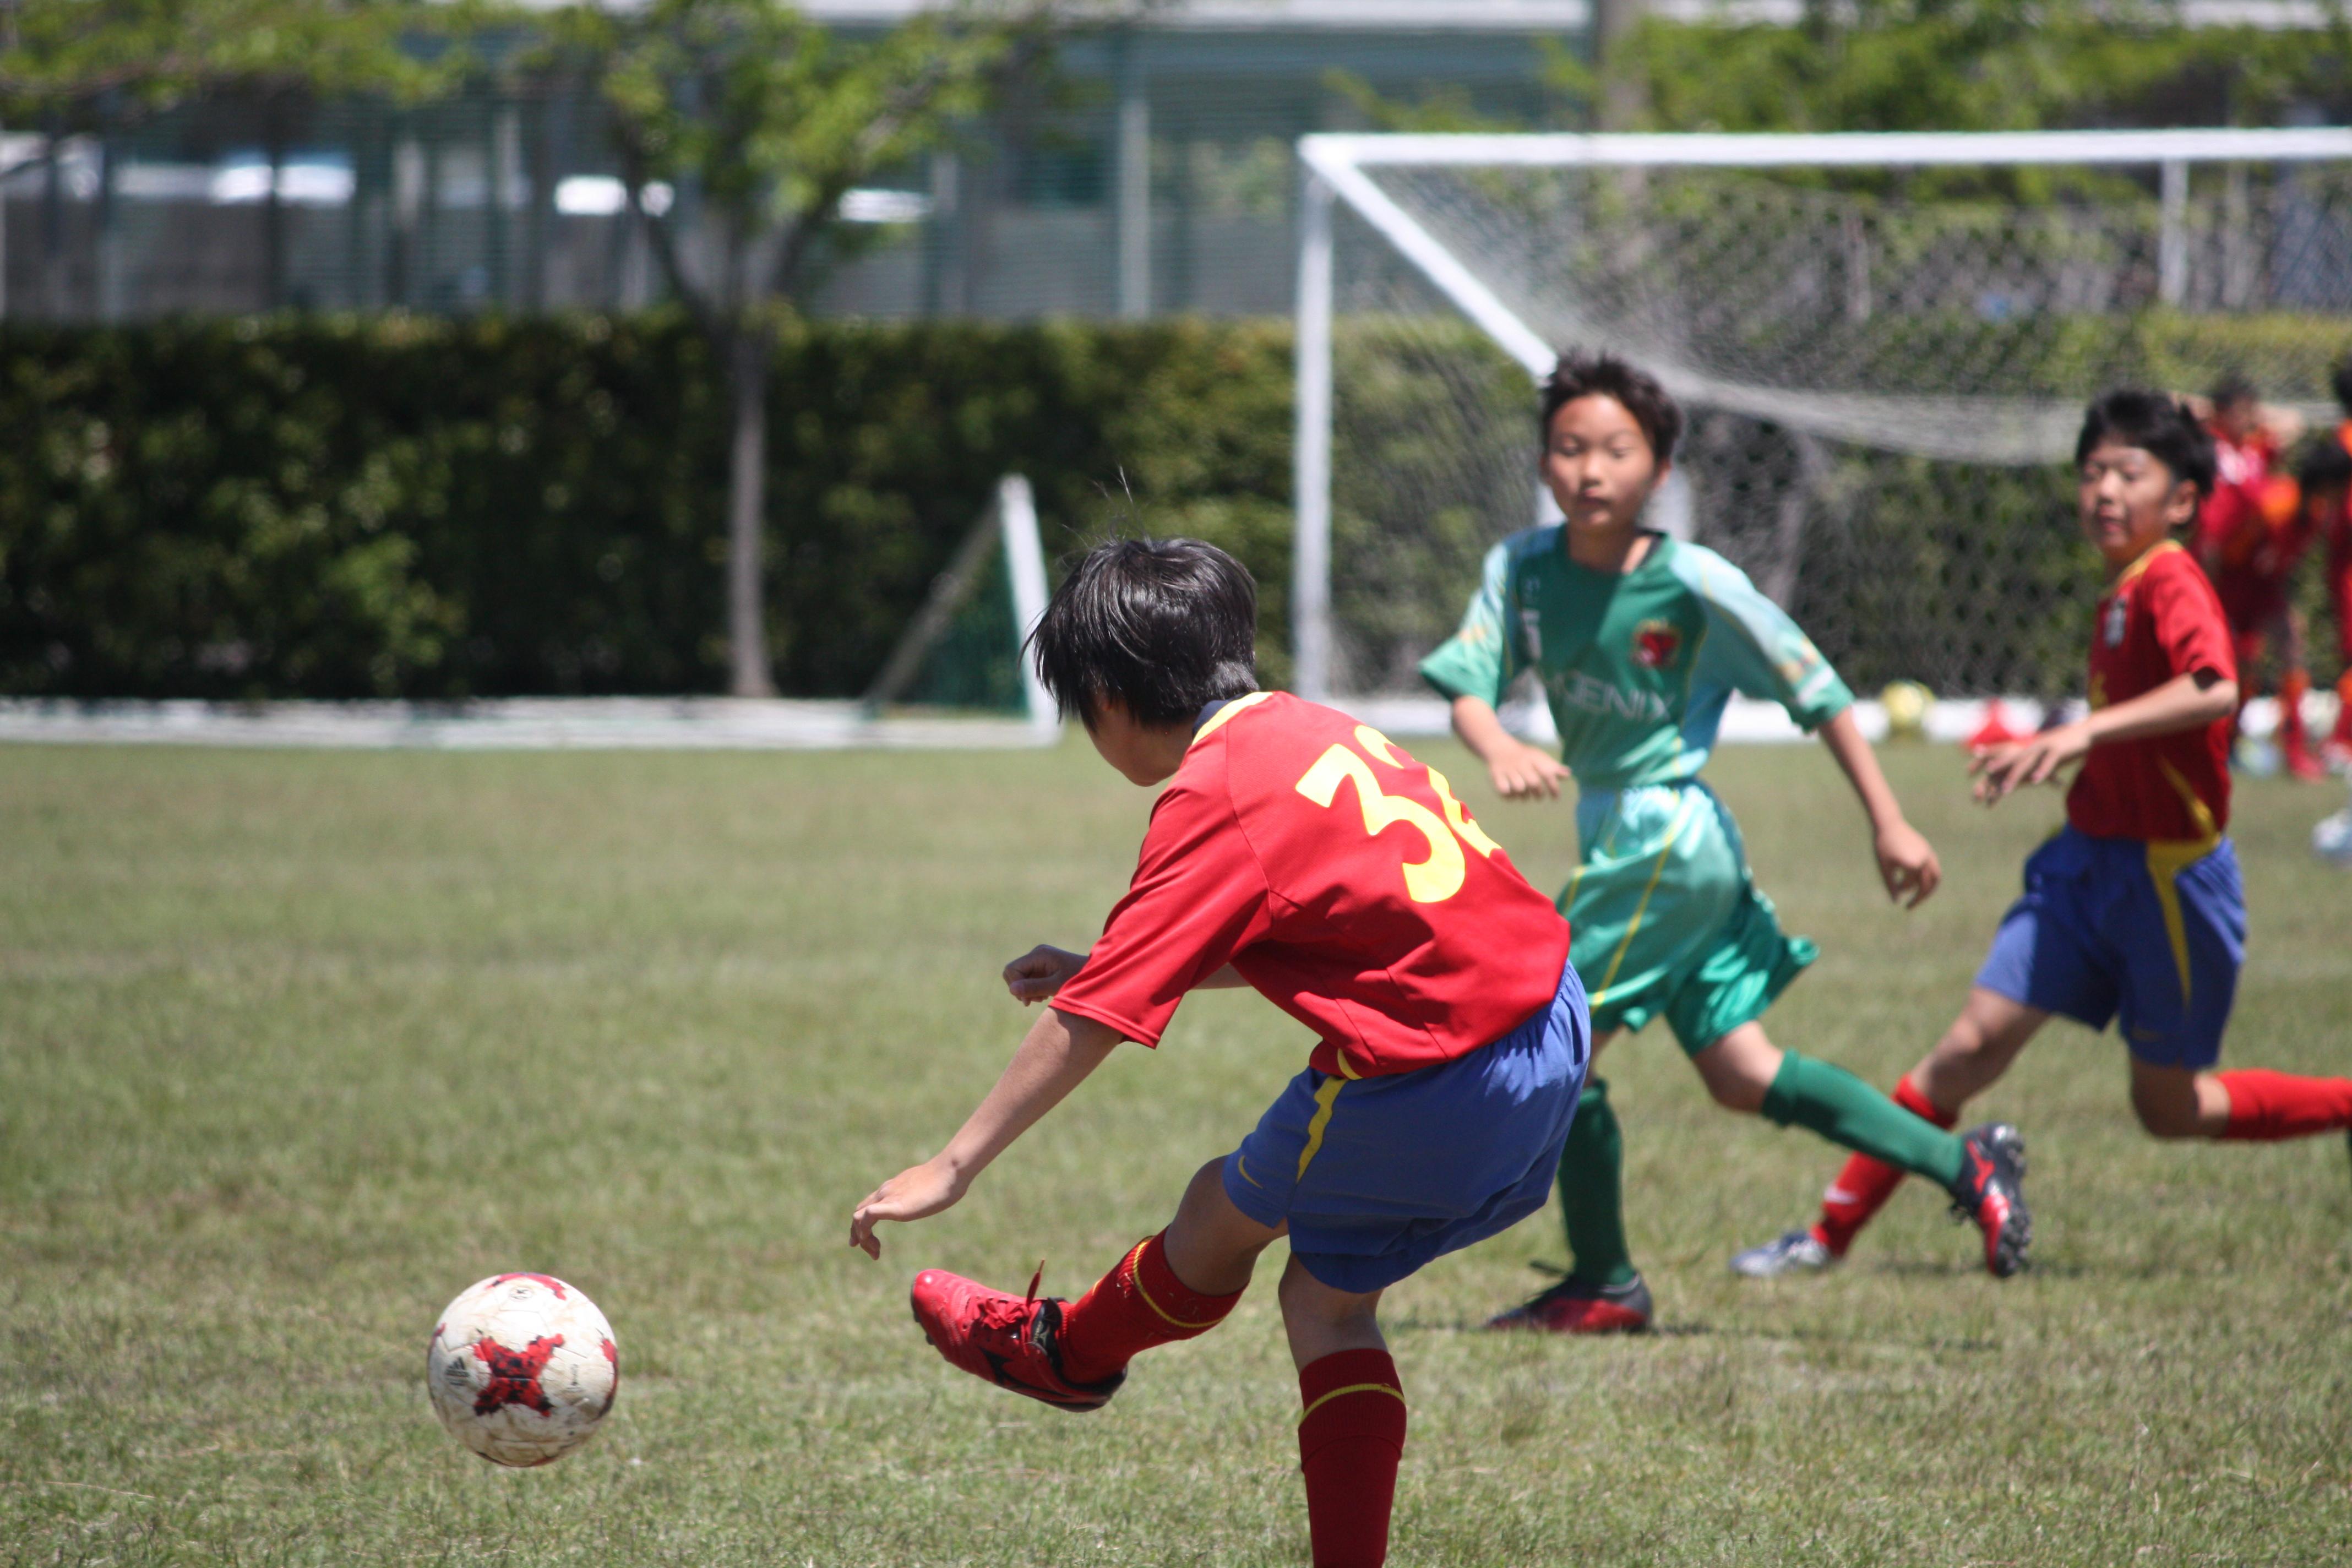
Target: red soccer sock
{"points": [[1138, 1304], [1862, 1188], [2294, 686], [1349, 1441], [2344, 706], [2268, 1106]]}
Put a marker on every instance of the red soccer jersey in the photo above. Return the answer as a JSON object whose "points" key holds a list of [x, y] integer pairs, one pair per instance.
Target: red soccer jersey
{"points": [[2249, 530], [1340, 878], [2160, 619]]}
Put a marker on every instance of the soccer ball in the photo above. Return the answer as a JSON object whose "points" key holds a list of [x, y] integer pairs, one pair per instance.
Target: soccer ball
{"points": [[2331, 839], [521, 1367], [1907, 703]]}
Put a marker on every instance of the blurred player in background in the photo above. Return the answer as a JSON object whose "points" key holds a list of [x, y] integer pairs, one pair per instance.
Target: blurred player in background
{"points": [[2252, 533], [2134, 911], [1639, 641], [1300, 852], [2326, 481]]}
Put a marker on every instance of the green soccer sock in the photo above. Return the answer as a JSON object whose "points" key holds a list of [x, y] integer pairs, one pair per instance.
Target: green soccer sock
{"points": [[1844, 1110], [1592, 1191]]}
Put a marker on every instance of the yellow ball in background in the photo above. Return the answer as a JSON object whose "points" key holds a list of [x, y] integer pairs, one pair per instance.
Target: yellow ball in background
{"points": [[1907, 703]]}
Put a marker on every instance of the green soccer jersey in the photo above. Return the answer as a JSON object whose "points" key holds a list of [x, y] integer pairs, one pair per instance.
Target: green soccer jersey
{"points": [[1637, 667]]}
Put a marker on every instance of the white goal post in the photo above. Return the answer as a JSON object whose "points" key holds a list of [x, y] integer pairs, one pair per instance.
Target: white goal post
{"points": [[1989, 425]]}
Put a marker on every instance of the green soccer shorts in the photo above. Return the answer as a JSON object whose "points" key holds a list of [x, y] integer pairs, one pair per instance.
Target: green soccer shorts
{"points": [[1667, 917]]}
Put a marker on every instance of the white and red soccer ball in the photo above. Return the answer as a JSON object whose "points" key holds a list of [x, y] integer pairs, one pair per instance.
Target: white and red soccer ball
{"points": [[521, 1368]]}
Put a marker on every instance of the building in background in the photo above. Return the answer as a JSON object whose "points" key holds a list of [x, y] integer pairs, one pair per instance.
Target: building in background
{"points": [[1161, 180]]}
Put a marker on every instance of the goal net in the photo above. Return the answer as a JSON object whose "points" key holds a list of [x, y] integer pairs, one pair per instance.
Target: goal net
{"points": [[1883, 344]]}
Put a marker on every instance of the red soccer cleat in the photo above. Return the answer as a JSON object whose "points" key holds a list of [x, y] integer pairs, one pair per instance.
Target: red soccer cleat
{"points": [[1991, 1192], [1572, 1307], [1008, 1340], [2294, 753]]}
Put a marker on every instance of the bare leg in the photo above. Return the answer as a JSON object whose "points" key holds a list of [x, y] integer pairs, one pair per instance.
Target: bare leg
{"points": [[1323, 1322], [2177, 1102], [1976, 1051], [1211, 1246], [1738, 1068]]}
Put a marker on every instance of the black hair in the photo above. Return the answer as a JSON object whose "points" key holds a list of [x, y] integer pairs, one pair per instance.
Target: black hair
{"points": [[2157, 423], [1580, 374], [1163, 626], [2324, 464], [2231, 389], [2342, 379]]}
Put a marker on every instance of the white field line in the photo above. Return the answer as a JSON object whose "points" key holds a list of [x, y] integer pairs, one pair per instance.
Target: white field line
{"points": [[512, 724]]}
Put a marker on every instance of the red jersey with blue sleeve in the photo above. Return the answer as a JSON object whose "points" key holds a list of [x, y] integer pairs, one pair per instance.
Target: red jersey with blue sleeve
{"points": [[1338, 877], [2159, 620]]}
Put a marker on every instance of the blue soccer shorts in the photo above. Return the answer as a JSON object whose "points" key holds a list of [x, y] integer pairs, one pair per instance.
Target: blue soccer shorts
{"points": [[2150, 934], [1377, 1176]]}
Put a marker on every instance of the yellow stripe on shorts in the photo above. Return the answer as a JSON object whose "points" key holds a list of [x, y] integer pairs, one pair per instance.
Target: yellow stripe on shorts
{"points": [[1325, 1099]]}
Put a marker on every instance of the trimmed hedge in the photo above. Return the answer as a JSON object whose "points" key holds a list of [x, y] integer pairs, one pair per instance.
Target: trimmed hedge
{"points": [[398, 506]]}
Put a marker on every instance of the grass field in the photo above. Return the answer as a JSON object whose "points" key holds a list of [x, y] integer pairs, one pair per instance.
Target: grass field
{"points": [[293, 1047]]}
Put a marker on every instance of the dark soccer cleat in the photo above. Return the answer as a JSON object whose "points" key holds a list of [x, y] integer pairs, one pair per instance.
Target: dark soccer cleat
{"points": [[1573, 1306], [1008, 1340], [1991, 1192], [1799, 1252]]}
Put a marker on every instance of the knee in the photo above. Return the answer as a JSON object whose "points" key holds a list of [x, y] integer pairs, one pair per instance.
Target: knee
{"points": [[1740, 1092], [2165, 1118], [1963, 1044], [1305, 1301]]}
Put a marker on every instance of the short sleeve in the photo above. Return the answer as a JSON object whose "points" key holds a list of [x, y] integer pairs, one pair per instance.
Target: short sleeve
{"points": [[1480, 659], [1753, 647], [1199, 898], [2190, 626]]}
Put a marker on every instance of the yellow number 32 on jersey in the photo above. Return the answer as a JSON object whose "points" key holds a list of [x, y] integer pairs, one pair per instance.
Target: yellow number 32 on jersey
{"points": [[1440, 874]]}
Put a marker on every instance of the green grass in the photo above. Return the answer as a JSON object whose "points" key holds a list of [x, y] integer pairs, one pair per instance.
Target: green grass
{"points": [[293, 1047]]}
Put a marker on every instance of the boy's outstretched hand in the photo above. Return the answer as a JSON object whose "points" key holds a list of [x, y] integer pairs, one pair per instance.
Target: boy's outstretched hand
{"points": [[1037, 973], [1907, 864], [1522, 772], [916, 1193], [2000, 769]]}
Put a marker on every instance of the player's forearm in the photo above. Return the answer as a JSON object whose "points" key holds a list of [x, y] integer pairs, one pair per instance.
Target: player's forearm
{"points": [[1855, 759], [1480, 727], [1055, 1058], [2180, 703]]}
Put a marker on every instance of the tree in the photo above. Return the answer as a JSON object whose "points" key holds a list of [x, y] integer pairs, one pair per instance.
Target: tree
{"points": [[761, 121], [81, 64], [102, 65]]}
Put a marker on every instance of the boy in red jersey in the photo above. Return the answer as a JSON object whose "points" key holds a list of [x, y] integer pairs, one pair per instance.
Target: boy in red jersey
{"points": [[1300, 852], [2251, 535], [2134, 910]]}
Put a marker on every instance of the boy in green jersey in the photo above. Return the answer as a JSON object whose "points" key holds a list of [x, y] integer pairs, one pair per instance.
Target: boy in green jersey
{"points": [[1639, 641]]}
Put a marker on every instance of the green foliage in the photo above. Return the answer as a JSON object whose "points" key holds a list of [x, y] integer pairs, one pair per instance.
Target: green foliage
{"points": [[77, 62], [405, 508], [769, 118], [1973, 65]]}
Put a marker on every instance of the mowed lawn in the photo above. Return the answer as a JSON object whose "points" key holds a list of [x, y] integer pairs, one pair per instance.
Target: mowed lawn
{"points": [[294, 1047]]}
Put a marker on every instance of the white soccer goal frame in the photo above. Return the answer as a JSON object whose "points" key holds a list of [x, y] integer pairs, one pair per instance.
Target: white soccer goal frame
{"points": [[1334, 168]]}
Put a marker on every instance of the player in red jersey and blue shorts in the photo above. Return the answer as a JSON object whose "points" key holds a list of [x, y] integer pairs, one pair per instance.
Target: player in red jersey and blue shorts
{"points": [[1300, 852], [2251, 534], [2134, 911]]}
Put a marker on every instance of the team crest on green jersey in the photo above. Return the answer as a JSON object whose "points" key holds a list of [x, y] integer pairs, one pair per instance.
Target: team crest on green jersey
{"points": [[1655, 643]]}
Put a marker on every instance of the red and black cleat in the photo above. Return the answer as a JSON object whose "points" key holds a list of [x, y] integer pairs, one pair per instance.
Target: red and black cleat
{"points": [[1991, 1192], [1008, 1340], [1573, 1306]]}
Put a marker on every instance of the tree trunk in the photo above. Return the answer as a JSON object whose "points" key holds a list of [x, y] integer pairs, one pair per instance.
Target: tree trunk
{"points": [[747, 485], [1622, 100]]}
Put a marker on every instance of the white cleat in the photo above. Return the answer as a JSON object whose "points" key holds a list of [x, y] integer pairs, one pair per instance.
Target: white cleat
{"points": [[1799, 1252]]}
